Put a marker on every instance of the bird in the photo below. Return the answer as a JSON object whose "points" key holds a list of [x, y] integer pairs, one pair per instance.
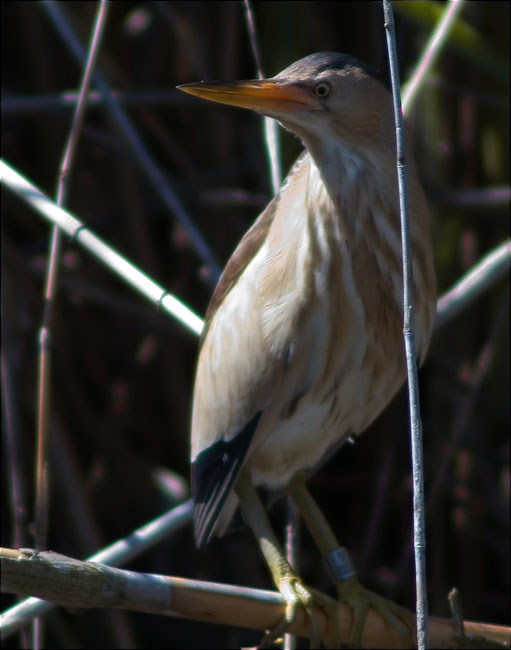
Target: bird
{"points": [[302, 344]]}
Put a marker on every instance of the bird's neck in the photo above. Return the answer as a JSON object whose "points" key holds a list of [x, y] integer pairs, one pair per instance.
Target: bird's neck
{"points": [[334, 198], [333, 190], [355, 179]]}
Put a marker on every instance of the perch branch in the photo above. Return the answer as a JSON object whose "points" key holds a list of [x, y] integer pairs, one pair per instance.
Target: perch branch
{"points": [[75, 585]]}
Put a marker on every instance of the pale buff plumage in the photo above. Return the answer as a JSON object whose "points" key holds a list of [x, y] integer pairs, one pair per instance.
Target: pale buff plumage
{"points": [[305, 327]]}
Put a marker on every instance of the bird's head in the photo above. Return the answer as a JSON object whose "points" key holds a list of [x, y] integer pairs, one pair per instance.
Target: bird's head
{"points": [[323, 98]]}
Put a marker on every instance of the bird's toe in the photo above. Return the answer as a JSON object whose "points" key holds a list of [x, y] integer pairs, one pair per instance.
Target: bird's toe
{"points": [[354, 594]]}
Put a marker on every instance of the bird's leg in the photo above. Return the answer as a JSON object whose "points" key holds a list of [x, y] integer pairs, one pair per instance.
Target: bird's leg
{"points": [[286, 581], [349, 589]]}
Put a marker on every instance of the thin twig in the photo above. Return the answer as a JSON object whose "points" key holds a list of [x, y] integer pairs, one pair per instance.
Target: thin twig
{"points": [[431, 51], [270, 125], [456, 611], [42, 497], [50, 293], [141, 155], [411, 362]]}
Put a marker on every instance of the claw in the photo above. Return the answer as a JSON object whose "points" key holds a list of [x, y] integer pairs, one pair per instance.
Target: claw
{"points": [[351, 592], [297, 594]]}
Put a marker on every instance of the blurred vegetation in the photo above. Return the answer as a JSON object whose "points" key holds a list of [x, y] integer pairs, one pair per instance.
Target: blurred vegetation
{"points": [[122, 372]]}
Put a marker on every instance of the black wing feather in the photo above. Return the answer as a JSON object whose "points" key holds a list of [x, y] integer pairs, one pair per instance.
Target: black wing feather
{"points": [[214, 473]]}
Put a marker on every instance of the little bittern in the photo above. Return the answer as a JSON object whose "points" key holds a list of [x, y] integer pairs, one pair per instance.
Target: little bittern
{"points": [[302, 344]]}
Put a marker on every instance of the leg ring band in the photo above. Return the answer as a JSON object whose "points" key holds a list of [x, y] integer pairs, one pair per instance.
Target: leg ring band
{"points": [[340, 565]]}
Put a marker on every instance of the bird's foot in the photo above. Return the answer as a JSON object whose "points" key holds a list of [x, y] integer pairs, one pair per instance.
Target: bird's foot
{"points": [[297, 594], [360, 599]]}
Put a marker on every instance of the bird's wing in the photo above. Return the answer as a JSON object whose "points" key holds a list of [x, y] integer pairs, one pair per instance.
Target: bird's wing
{"points": [[249, 245], [251, 242], [245, 359], [216, 465]]}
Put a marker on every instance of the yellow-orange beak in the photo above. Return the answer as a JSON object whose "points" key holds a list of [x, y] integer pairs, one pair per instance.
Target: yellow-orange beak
{"points": [[264, 96]]}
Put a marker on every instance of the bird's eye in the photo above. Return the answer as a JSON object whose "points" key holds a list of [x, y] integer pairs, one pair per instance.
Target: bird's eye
{"points": [[322, 89]]}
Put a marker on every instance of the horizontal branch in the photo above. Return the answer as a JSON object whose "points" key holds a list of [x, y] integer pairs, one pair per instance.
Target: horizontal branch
{"points": [[75, 584]]}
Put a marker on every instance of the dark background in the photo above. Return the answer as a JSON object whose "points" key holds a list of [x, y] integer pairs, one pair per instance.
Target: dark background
{"points": [[122, 371]]}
